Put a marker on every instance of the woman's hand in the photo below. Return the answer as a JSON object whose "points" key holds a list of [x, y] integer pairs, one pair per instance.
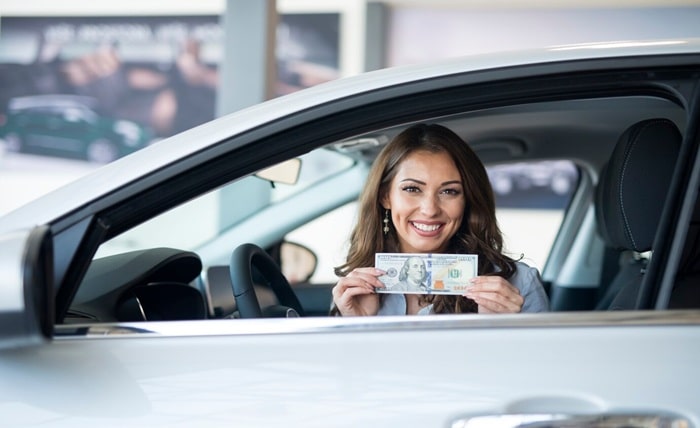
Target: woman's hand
{"points": [[354, 294], [494, 294]]}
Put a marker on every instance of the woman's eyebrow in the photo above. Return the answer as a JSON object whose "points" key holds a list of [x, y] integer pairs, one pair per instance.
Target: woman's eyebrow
{"points": [[423, 183], [446, 183], [413, 180]]}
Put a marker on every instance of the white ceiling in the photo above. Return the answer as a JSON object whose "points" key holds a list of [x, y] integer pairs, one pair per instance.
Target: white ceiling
{"points": [[160, 7]]}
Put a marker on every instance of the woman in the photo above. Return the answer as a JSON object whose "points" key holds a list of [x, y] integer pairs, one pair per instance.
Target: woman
{"points": [[428, 192]]}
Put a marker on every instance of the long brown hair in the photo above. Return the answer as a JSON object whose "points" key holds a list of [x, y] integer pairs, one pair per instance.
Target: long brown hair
{"points": [[478, 233]]}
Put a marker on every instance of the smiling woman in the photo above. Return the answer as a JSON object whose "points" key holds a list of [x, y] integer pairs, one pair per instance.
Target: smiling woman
{"points": [[438, 196]]}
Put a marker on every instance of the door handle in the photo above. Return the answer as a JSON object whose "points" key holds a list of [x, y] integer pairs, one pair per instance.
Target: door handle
{"points": [[540, 420]]}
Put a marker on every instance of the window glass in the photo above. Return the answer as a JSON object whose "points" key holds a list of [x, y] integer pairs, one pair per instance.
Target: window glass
{"points": [[328, 237], [208, 216], [531, 199], [316, 166]]}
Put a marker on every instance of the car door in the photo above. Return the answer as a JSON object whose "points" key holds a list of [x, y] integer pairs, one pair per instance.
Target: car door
{"points": [[628, 368]]}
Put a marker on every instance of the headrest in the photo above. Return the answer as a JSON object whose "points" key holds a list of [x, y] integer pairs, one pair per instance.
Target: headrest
{"points": [[634, 183]]}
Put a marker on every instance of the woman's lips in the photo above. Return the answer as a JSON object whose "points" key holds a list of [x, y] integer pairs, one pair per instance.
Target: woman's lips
{"points": [[427, 229]]}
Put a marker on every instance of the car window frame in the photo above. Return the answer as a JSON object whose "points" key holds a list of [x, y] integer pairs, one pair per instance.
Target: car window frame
{"points": [[117, 212], [675, 220]]}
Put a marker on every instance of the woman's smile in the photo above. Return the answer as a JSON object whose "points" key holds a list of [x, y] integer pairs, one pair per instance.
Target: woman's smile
{"points": [[426, 228]]}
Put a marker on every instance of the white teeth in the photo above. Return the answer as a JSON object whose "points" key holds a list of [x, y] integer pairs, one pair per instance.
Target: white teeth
{"points": [[426, 227]]}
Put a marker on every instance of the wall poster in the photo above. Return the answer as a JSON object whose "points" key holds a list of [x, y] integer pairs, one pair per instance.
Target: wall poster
{"points": [[78, 92]]}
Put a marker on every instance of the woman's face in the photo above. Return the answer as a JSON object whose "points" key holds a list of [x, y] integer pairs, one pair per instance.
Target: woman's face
{"points": [[426, 199]]}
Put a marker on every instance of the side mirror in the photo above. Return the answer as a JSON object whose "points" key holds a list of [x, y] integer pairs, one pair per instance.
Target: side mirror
{"points": [[26, 278], [298, 262]]}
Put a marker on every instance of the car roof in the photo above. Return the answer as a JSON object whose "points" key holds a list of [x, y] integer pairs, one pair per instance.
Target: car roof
{"points": [[53, 100], [113, 176]]}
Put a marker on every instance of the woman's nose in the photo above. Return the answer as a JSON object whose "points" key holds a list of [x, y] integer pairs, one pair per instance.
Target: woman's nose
{"points": [[430, 205]]}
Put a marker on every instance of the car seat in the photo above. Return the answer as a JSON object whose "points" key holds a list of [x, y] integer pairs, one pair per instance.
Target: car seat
{"points": [[686, 290], [630, 197]]}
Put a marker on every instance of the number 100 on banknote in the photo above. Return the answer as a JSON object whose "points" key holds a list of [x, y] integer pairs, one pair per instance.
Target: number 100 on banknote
{"points": [[426, 273]]}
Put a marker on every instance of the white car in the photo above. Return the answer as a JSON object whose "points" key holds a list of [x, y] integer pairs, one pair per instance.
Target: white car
{"points": [[117, 296]]}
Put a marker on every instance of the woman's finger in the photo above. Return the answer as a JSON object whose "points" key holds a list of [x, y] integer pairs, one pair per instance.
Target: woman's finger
{"points": [[495, 294], [496, 303], [491, 283], [351, 299], [366, 276]]}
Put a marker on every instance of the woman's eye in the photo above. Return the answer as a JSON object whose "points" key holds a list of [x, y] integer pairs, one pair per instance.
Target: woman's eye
{"points": [[411, 189], [452, 192]]}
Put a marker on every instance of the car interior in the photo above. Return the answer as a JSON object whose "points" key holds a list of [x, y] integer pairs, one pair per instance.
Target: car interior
{"points": [[624, 148]]}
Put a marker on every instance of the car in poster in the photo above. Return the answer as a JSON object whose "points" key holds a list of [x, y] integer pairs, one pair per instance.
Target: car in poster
{"points": [[107, 322], [69, 126]]}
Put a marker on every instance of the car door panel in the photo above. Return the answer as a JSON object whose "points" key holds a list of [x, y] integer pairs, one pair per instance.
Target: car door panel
{"points": [[385, 372]]}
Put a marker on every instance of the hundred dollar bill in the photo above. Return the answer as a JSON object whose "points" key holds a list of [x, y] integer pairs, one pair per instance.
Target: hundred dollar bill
{"points": [[426, 273]]}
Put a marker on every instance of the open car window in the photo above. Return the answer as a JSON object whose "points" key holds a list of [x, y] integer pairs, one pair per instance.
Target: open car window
{"points": [[531, 202], [546, 207]]}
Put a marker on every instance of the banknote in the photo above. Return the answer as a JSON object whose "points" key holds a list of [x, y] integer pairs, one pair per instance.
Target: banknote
{"points": [[426, 273]]}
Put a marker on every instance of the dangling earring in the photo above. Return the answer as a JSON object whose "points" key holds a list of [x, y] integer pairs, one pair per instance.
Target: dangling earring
{"points": [[386, 221]]}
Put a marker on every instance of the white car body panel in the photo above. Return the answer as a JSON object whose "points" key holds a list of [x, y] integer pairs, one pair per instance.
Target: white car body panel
{"points": [[313, 374], [13, 243]]}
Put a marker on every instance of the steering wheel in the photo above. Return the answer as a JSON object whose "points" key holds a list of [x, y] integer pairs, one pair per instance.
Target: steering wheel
{"points": [[243, 260]]}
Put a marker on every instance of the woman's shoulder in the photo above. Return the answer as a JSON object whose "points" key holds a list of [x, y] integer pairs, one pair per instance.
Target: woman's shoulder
{"points": [[524, 268], [527, 279], [524, 276], [524, 273]]}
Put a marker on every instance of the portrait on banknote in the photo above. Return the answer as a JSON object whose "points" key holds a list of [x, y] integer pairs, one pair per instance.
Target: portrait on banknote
{"points": [[426, 273]]}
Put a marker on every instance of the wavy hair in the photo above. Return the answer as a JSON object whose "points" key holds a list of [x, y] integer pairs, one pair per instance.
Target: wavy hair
{"points": [[478, 234]]}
